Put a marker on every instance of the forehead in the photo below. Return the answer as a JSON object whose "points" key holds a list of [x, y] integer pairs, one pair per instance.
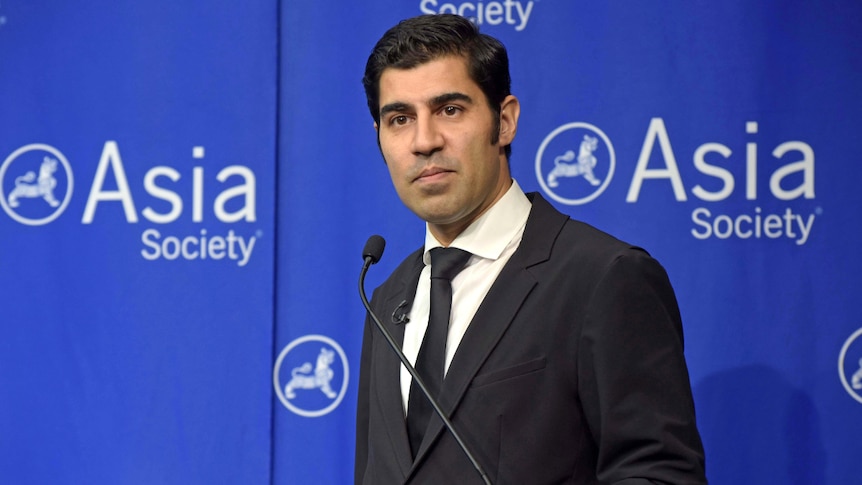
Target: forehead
{"points": [[421, 83]]}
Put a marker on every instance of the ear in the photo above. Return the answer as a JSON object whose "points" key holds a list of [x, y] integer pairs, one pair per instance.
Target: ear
{"points": [[510, 110], [377, 128]]}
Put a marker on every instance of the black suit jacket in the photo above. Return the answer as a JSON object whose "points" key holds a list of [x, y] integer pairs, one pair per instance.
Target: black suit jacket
{"points": [[571, 372]]}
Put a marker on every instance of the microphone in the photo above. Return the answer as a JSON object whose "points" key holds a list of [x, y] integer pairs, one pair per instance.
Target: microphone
{"points": [[372, 253], [373, 250], [398, 315]]}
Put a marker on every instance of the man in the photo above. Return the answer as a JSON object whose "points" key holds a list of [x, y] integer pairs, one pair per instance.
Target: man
{"points": [[563, 355]]}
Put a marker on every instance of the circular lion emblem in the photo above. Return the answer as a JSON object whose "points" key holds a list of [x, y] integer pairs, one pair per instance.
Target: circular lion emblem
{"points": [[575, 163], [30, 182], [308, 378]]}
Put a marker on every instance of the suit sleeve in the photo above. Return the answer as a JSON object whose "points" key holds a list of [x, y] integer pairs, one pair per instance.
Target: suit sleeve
{"points": [[633, 378]]}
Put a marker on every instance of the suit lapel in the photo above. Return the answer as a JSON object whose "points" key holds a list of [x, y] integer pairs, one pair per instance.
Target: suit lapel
{"points": [[497, 311], [389, 367]]}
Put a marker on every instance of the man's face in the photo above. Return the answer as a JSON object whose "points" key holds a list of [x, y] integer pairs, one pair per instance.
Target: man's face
{"points": [[435, 135]]}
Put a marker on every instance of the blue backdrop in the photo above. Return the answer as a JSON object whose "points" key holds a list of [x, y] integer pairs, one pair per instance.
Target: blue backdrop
{"points": [[186, 189]]}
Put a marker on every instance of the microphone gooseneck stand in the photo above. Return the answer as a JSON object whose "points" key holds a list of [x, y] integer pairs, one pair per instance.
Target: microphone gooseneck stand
{"points": [[371, 254]]}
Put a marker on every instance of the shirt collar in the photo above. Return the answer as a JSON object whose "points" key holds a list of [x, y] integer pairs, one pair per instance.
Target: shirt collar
{"points": [[489, 235]]}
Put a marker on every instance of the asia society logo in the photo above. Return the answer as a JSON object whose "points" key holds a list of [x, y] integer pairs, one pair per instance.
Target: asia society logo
{"points": [[310, 376], [575, 163], [35, 184], [727, 180], [850, 365]]}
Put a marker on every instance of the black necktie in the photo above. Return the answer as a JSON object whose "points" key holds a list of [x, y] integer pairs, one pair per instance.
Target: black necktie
{"points": [[445, 264]]}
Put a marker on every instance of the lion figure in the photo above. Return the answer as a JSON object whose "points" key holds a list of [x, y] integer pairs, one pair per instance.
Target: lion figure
{"points": [[304, 378], [29, 186], [583, 166]]}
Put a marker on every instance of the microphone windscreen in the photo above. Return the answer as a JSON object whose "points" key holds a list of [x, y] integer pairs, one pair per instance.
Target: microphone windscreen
{"points": [[374, 248]]}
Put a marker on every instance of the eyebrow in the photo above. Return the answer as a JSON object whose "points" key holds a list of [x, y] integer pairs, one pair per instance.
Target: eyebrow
{"points": [[435, 101], [396, 107], [449, 97]]}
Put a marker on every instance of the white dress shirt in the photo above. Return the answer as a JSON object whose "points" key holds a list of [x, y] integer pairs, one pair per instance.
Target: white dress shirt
{"points": [[492, 239]]}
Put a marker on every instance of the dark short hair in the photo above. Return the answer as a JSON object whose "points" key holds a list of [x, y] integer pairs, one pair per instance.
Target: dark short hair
{"points": [[425, 38]]}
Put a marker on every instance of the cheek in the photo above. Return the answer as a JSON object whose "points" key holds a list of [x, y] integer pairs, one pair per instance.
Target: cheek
{"points": [[390, 152], [393, 171], [397, 173]]}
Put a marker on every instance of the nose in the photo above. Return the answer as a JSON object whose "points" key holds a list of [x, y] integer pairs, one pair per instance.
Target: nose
{"points": [[427, 138]]}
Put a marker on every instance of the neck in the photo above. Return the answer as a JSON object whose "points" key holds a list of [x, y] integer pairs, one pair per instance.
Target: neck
{"points": [[445, 233]]}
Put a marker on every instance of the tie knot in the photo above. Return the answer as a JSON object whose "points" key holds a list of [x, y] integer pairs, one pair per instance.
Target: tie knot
{"points": [[448, 262]]}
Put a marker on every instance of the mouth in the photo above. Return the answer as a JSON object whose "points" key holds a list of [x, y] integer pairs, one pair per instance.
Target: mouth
{"points": [[432, 174]]}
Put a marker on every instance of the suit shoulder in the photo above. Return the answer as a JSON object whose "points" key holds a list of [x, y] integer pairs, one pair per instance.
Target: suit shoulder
{"points": [[588, 250], [586, 238], [405, 269], [551, 234]]}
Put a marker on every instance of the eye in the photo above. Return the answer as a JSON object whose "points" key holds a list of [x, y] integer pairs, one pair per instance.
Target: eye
{"points": [[451, 110], [398, 120]]}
